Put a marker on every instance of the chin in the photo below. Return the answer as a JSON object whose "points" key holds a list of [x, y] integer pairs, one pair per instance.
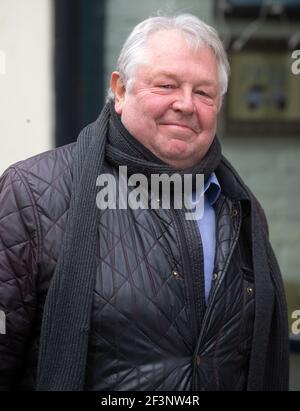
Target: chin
{"points": [[178, 161], [178, 149]]}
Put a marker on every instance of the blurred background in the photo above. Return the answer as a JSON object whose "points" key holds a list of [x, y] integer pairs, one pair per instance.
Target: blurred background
{"points": [[56, 57]]}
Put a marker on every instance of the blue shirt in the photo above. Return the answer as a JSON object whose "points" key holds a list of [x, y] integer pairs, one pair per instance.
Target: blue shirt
{"points": [[207, 227]]}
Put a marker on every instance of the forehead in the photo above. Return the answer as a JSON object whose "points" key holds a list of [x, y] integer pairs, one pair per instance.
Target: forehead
{"points": [[172, 42], [167, 51], [166, 40]]}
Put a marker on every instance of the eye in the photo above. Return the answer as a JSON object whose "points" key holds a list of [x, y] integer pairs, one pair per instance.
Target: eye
{"points": [[167, 86], [202, 93]]}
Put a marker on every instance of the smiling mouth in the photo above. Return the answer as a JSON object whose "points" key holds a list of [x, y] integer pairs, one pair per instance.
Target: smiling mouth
{"points": [[179, 126]]}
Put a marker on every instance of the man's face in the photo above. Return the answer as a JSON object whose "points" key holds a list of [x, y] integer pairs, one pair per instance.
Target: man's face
{"points": [[172, 103]]}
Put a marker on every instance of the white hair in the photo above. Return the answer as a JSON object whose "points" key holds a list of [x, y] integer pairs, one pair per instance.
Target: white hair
{"points": [[196, 33]]}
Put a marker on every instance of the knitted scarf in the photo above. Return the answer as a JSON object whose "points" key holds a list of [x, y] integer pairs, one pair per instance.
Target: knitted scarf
{"points": [[66, 319]]}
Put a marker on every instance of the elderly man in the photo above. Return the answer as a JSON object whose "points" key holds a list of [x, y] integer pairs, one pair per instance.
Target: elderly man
{"points": [[124, 298]]}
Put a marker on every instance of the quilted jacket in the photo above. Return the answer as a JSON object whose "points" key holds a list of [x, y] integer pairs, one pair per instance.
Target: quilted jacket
{"points": [[146, 329]]}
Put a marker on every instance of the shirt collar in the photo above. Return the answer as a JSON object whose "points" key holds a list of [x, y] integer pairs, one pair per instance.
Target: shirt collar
{"points": [[212, 189]]}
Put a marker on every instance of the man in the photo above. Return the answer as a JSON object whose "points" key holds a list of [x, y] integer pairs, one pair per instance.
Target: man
{"points": [[141, 299]]}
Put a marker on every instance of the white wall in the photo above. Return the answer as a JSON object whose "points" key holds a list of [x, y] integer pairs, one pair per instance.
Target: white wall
{"points": [[26, 79]]}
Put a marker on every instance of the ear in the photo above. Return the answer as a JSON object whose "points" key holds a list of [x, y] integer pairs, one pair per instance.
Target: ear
{"points": [[118, 88]]}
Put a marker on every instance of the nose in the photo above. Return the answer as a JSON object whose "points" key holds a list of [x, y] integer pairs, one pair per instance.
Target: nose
{"points": [[184, 102]]}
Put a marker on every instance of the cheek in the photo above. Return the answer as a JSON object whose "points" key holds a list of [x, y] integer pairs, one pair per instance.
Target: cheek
{"points": [[156, 106], [207, 116], [141, 119]]}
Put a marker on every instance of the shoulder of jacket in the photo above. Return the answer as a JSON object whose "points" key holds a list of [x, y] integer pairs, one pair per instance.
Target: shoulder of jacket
{"points": [[55, 160], [44, 169], [38, 186]]}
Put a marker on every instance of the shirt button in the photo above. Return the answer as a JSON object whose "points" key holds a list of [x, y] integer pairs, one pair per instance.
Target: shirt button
{"points": [[175, 273], [250, 290], [198, 360]]}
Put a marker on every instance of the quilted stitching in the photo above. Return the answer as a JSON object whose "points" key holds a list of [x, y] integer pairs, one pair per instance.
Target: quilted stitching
{"points": [[140, 324], [139, 273], [26, 213]]}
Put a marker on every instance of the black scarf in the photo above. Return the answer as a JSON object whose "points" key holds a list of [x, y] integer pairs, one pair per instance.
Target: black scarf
{"points": [[66, 318], [123, 149]]}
